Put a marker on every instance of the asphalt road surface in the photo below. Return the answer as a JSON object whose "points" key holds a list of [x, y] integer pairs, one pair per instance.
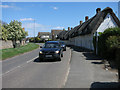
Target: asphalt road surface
{"points": [[24, 71]]}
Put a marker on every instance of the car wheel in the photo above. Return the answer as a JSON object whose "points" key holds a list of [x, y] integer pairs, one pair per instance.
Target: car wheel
{"points": [[65, 49], [59, 59], [62, 55], [40, 59]]}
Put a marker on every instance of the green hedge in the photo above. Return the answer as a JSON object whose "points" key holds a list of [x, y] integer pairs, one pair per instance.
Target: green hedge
{"points": [[105, 39], [118, 57]]}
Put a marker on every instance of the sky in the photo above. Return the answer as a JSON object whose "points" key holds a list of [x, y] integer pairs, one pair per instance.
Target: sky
{"points": [[51, 15]]}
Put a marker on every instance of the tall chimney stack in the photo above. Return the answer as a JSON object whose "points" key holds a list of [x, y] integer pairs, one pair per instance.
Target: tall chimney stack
{"points": [[81, 22], [68, 28], [98, 10], [86, 18]]}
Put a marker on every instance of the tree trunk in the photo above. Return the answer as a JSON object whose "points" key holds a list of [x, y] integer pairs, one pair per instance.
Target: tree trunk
{"points": [[14, 43]]}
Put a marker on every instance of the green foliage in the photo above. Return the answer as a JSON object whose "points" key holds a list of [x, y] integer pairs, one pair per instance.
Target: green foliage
{"points": [[113, 41], [108, 41], [4, 33], [15, 30], [118, 57], [0, 31], [31, 39], [37, 39]]}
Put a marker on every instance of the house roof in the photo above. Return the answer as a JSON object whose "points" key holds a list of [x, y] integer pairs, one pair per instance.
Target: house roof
{"points": [[92, 24], [56, 32], [43, 33], [61, 34]]}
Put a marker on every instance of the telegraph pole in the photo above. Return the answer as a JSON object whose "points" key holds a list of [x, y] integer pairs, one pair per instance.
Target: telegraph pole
{"points": [[34, 30]]}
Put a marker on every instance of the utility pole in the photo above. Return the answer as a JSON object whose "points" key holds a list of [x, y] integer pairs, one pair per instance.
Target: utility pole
{"points": [[96, 34], [34, 30]]}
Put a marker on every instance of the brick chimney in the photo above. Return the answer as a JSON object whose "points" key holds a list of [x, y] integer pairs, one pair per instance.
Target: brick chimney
{"points": [[68, 28], [86, 18], [98, 10], [81, 22]]}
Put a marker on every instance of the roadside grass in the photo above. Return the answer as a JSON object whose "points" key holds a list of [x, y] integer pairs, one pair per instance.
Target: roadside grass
{"points": [[10, 52]]}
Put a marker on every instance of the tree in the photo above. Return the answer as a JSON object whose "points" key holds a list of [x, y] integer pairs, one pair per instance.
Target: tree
{"points": [[15, 31], [0, 31], [3, 33], [23, 35]]}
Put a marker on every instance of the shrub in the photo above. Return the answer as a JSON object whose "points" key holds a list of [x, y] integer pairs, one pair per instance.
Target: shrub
{"points": [[103, 48], [31, 39], [112, 44], [118, 57]]}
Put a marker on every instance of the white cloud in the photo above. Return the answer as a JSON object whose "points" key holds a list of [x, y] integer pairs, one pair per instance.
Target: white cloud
{"points": [[37, 26], [58, 27], [55, 8], [6, 6], [26, 19]]}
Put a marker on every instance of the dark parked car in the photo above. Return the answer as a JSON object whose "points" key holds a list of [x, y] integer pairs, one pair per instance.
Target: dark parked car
{"points": [[63, 45], [51, 50]]}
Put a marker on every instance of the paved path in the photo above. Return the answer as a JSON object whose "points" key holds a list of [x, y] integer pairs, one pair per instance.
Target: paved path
{"points": [[86, 71]]}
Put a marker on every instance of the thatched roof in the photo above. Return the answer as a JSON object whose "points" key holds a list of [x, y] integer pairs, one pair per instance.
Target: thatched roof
{"points": [[92, 24], [61, 35]]}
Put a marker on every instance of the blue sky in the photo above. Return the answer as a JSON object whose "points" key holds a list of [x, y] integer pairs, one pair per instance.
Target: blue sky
{"points": [[51, 15]]}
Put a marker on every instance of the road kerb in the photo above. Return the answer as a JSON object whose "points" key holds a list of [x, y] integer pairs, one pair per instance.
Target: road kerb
{"points": [[67, 70]]}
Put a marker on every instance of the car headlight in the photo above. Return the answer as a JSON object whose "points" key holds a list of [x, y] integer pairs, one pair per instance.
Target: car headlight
{"points": [[56, 51], [41, 52]]}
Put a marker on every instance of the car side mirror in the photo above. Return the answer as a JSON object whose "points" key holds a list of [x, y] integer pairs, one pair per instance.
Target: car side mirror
{"points": [[61, 46], [40, 46]]}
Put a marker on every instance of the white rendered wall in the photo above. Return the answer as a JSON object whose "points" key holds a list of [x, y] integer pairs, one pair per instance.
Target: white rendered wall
{"points": [[107, 23], [86, 41]]}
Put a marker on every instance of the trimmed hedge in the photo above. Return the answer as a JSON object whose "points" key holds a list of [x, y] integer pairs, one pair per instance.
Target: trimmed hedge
{"points": [[103, 45]]}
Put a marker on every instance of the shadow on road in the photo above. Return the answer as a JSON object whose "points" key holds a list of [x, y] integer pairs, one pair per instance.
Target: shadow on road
{"points": [[47, 60], [105, 86]]}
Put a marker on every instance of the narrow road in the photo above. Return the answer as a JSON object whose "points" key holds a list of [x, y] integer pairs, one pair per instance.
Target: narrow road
{"points": [[25, 71]]}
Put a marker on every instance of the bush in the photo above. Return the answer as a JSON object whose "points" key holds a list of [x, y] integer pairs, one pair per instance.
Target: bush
{"points": [[112, 44], [105, 41], [31, 39], [118, 57]]}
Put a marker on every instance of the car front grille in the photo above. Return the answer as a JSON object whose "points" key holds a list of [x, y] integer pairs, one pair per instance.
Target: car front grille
{"points": [[50, 52]]}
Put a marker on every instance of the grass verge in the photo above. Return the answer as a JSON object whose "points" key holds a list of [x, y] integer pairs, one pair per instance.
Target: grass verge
{"points": [[10, 52]]}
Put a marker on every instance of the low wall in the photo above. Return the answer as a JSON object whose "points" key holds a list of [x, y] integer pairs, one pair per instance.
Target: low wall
{"points": [[6, 44]]}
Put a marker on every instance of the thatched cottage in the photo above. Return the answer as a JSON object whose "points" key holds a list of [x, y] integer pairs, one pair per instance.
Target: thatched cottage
{"points": [[82, 35]]}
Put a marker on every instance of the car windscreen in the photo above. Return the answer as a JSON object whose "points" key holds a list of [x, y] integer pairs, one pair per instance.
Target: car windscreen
{"points": [[51, 45], [62, 43]]}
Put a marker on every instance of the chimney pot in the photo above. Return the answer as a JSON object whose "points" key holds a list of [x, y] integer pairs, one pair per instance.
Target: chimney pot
{"points": [[98, 10], [86, 18], [81, 22], [68, 28]]}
